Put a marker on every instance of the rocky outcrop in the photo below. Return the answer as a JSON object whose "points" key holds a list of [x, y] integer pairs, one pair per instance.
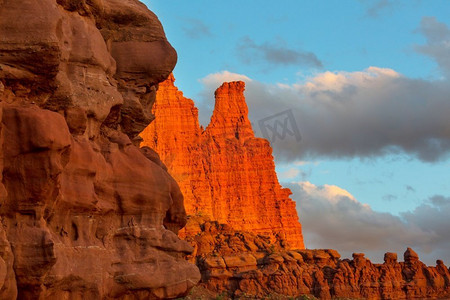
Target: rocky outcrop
{"points": [[85, 214], [243, 226], [224, 171], [243, 265]]}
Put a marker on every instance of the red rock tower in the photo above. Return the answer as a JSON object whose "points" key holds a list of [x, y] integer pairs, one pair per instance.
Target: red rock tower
{"points": [[229, 118], [224, 172]]}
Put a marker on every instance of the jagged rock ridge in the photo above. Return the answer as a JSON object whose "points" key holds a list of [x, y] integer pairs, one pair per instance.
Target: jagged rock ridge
{"points": [[85, 213], [224, 171], [243, 265]]}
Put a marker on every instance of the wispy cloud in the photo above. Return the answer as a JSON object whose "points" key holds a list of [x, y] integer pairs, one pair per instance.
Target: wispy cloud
{"points": [[196, 29], [378, 7], [289, 174], [437, 46], [389, 197], [276, 54], [410, 189], [300, 163]]}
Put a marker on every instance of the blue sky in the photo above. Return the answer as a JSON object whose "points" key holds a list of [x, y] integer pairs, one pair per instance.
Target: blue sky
{"points": [[344, 35], [372, 74]]}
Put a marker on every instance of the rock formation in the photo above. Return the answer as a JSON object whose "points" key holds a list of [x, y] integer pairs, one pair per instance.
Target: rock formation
{"points": [[240, 264], [224, 171], [241, 218], [85, 213]]}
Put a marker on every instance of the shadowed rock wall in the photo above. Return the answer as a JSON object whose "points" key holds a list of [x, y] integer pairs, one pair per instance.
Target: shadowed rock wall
{"points": [[85, 213]]}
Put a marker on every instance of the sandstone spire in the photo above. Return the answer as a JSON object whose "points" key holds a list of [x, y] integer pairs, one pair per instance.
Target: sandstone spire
{"points": [[224, 172], [230, 116]]}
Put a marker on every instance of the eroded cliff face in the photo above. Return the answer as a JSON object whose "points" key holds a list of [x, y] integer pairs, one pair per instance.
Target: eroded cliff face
{"points": [[241, 265], [85, 213], [224, 171], [241, 218]]}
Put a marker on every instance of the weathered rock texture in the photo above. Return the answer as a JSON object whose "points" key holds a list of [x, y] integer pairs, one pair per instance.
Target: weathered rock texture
{"points": [[244, 265], [85, 214], [224, 171], [241, 218]]}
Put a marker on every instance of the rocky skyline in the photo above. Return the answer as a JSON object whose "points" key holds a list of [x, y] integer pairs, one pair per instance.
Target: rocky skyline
{"points": [[367, 85]]}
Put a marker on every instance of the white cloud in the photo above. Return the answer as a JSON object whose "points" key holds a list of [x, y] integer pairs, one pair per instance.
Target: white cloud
{"points": [[216, 79], [300, 163], [337, 81], [289, 174], [332, 193]]}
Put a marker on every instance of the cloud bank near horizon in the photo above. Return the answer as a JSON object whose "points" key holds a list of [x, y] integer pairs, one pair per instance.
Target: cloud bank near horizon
{"points": [[332, 218]]}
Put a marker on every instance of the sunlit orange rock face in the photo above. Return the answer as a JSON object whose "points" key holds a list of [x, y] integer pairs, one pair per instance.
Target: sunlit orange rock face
{"points": [[224, 171]]}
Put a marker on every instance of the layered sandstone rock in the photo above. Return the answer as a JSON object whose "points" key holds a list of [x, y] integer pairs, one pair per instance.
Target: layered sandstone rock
{"points": [[85, 213], [224, 171], [243, 265]]}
